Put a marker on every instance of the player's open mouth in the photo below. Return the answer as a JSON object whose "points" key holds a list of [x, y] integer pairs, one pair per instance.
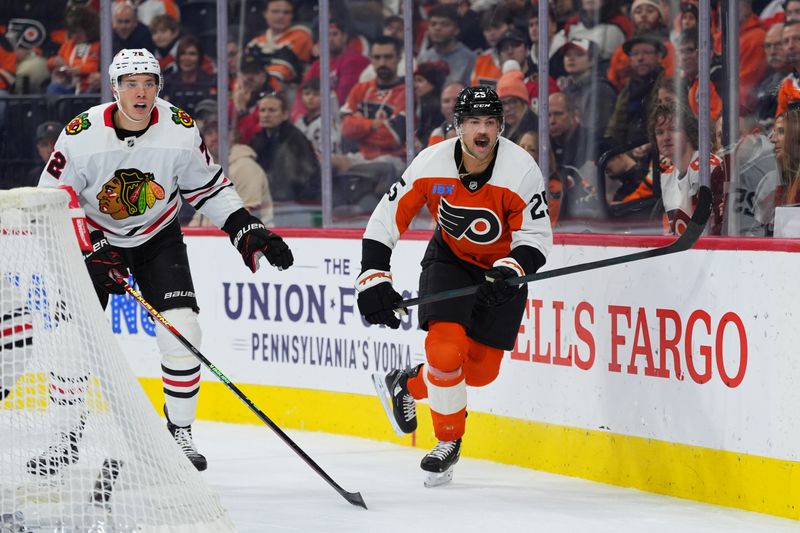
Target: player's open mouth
{"points": [[482, 142], [141, 106]]}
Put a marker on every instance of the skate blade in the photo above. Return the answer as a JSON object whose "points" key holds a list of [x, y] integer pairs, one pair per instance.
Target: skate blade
{"points": [[435, 479], [383, 395]]}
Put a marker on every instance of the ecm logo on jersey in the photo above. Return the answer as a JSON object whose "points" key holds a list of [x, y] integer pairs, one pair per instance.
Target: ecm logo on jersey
{"points": [[475, 224]]}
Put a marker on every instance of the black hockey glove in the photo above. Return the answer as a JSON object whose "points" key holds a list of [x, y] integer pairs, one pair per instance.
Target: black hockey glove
{"points": [[105, 261], [496, 290], [377, 298], [253, 240]]}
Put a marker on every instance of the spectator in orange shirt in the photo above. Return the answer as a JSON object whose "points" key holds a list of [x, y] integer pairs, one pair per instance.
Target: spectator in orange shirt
{"points": [[76, 67], [374, 116], [752, 58], [790, 88], [286, 47], [648, 17], [147, 10], [8, 69], [494, 23], [688, 47]]}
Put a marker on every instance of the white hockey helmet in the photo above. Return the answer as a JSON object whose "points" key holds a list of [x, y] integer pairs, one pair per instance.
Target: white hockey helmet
{"points": [[134, 61]]}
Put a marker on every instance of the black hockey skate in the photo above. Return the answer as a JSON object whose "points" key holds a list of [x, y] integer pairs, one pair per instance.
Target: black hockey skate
{"points": [[183, 436], [439, 462], [400, 406], [63, 453]]}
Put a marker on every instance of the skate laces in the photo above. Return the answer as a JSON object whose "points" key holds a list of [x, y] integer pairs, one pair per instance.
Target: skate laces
{"points": [[443, 449], [183, 436], [409, 407]]}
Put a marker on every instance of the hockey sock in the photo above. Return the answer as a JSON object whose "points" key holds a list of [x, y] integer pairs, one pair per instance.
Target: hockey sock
{"points": [[483, 364], [446, 347], [180, 370]]}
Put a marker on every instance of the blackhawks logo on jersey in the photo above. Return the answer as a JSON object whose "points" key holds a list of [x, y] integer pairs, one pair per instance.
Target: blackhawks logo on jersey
{"points": [[129, 193], [179, 116], [78, 124]]}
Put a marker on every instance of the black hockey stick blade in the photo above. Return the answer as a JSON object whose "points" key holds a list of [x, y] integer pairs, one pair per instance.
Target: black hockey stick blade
{"points": [[689, 237], [352, 497]]}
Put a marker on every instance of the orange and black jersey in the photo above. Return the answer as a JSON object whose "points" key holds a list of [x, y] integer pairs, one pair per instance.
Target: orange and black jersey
{"points": [[481, 218]]}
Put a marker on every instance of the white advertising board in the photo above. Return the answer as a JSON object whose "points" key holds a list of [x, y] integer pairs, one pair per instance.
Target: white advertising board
{"points": [[697, 348]]}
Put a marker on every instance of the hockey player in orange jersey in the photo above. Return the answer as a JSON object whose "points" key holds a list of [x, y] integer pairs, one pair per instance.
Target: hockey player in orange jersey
{"points": [[487, 196]]}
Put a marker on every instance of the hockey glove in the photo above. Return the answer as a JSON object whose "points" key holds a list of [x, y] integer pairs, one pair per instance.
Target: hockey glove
{"points": [[253, 241], [105, 264], [377, 298], [496, 290]]}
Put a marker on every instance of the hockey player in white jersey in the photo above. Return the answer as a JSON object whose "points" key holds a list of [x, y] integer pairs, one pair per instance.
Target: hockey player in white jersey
{"points": [[487, 196], [130, 161]]}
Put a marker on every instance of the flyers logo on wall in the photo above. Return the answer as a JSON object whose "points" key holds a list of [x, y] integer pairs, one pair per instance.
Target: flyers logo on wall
{"points": [[78, 124], [129, 193]]}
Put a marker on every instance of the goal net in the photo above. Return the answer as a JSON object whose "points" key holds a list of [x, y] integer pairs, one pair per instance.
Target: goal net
{"points": [[81, 447]]}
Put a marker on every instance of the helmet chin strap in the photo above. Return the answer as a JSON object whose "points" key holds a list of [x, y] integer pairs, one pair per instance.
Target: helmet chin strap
{"points": [[137, 121]]}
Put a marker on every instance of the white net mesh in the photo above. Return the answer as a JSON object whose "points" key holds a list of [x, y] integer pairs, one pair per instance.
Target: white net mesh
{"points": [[81, 447]]}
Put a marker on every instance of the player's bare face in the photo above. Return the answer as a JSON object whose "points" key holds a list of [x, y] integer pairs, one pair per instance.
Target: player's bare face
{"points": [[279, 16], [479, 135], [778, 135], [137, 95], [665, 140]]}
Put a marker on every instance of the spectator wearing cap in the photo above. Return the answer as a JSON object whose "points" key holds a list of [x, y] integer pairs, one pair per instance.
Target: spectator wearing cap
{"points": [[128, 31], [767, 88], [592, 94], [447, 102], [443, 33], [204, 111], [628, 123], [285, 46], [429, 79], [252, 82], [517, 114], [32, 73], [249, 179], [76, 67], [346, 66], [514, 51], [494, 24], [46, 135], [599, 21], [648, 17]]}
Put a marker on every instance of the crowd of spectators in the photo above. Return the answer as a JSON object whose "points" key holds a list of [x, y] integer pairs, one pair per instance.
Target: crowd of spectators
{"points": [[623, 84]]}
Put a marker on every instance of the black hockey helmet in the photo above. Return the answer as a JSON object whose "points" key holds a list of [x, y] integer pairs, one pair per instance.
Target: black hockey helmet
{"points": [[479, 101]]}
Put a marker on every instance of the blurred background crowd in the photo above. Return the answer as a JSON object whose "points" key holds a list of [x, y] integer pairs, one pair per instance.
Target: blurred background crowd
{"points": [[621, 121]]}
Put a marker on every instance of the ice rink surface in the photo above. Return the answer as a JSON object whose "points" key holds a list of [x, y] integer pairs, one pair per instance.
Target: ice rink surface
{"points": [[266, 488]]}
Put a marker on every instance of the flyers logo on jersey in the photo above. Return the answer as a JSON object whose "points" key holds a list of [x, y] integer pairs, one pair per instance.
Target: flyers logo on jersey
{"points": [[475, 224], [179, 116], [129, 193], [78, 124]]}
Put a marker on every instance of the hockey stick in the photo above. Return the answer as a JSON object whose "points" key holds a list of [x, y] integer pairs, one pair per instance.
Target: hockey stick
{"points": [[693, 231], [352, 497]]}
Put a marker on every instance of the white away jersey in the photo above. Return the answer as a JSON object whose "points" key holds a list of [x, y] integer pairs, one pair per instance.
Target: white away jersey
{"points": [[479, 226], [679, 191], [130, 188]]}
